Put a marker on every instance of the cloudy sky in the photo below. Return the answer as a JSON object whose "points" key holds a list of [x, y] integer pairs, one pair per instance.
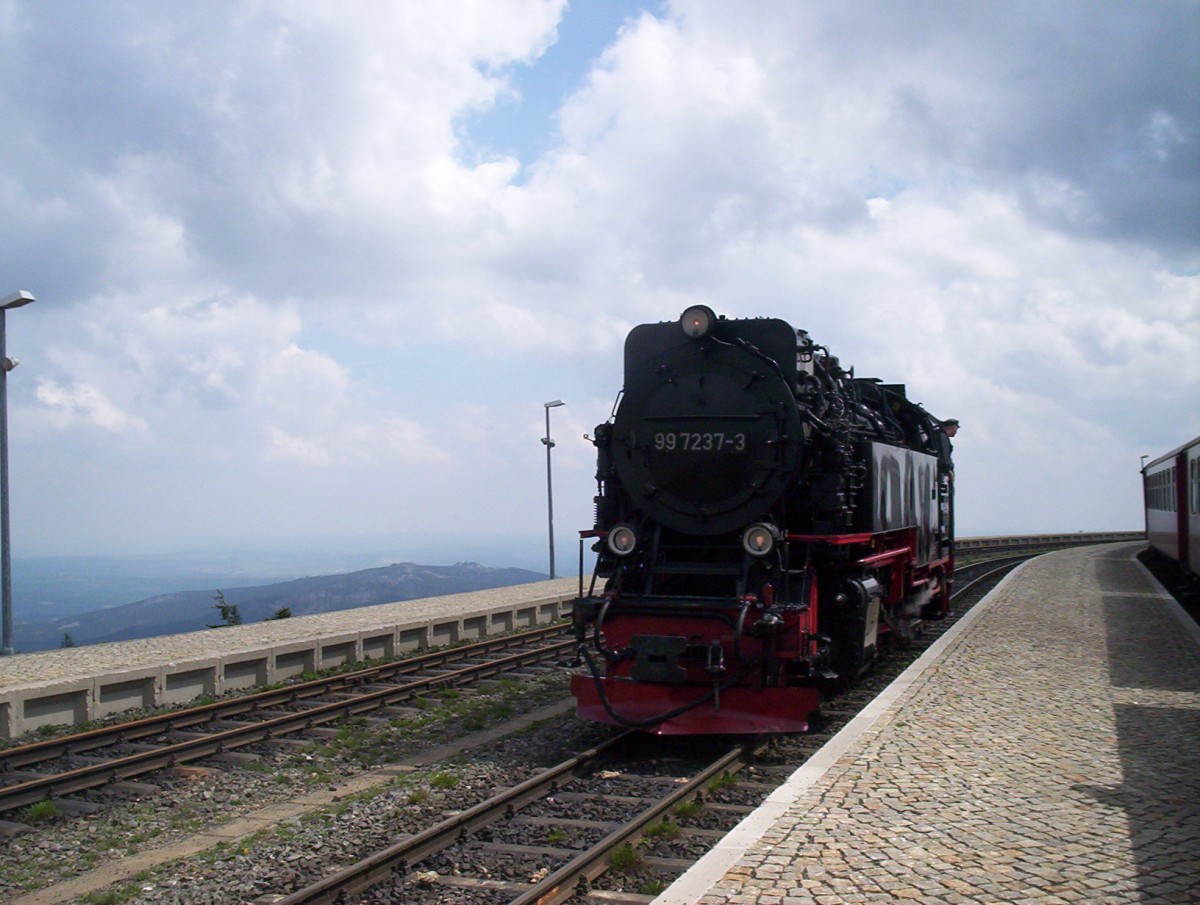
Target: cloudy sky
{"points": [[308, 270]]}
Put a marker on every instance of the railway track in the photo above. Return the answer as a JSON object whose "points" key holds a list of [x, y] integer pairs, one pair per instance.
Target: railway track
{"points": [[52, 768], [449, 881], [583, 777], [395, 871], [122, 752]]}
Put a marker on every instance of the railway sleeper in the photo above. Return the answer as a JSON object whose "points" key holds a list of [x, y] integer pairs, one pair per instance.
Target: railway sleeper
{"points": [[76, 807], [400, 713], [545, 851], [506, 886], [127, 788], [10, 828], [371, 689], [603, 796], [286, 744], [180, 735], [238, 758], [133, 748], [220, 725], [12, 777], [737, 809], [567, 822]]}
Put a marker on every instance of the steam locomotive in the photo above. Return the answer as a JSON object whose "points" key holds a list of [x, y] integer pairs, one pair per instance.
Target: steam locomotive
{"points": [[765, 522]]}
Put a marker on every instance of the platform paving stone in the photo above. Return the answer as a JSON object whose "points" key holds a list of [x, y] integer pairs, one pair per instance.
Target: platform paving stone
{"points": [[1050, 756]]}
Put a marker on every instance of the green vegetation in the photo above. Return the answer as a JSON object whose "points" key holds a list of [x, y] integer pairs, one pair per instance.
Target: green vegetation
{"points": [[112, 896], [443, 779], [688, 810], [625, 859], [229, 611], [652, 887], [724, 781], [41, 812], [360, 742], [664, 829]]}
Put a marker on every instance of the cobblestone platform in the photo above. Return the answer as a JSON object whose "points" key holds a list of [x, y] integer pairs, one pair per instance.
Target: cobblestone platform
{"points": [[1046, 750]]}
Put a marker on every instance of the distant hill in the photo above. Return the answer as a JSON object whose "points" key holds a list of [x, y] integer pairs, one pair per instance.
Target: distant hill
{"points": [[186, 611]]}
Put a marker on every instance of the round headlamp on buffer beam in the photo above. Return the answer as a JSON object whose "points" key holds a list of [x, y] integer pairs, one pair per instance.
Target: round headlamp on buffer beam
{"points": [[622, 540]]}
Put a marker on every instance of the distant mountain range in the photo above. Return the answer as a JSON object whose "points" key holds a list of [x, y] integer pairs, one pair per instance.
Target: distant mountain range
{"points": [[186, 611]]}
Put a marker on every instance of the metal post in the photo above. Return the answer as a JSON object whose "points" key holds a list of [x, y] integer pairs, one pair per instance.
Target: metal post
{"points": [[12, 300], [5, 555], [549, 484]]}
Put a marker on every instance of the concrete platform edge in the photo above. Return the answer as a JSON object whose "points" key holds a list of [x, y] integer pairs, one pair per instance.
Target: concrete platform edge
{"points": [[705, 873]]}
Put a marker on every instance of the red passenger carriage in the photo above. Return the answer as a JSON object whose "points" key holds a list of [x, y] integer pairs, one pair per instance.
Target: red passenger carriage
{"points": [[1171, 486]]}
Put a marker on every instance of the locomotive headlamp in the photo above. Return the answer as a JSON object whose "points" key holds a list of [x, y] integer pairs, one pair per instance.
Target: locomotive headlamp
{"points": [[759, 540], [622, 540], [697, 321]]}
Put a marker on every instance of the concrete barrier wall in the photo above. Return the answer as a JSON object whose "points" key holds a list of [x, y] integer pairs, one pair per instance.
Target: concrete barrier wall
{"points": [[178, 669]]}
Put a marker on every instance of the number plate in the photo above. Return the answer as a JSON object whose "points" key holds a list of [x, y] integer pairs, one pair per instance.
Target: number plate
{"points": [[699, 441]]}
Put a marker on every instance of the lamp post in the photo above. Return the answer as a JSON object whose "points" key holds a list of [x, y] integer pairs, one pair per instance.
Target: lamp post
{"points": [[549, 486], [12, 300]]}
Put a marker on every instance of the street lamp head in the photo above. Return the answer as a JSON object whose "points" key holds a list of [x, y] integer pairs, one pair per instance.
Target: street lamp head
{"points": [[16, 299], [555, 404]]}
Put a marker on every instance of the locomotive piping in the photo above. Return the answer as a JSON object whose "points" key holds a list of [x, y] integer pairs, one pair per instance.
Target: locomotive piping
{"points": [[737, 634]]}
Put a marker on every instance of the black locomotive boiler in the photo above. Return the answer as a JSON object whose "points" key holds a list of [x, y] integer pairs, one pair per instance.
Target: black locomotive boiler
{"points": [[765, 521]]}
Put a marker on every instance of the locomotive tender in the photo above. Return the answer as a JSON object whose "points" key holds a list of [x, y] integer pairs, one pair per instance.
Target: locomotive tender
{"points": [[765, 521], [1171, 487]]}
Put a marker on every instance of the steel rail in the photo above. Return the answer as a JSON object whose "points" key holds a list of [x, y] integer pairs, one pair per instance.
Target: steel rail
{"points": [[379, 866], [80, 742], [1005, 565], [573, 876], [88, 777]]}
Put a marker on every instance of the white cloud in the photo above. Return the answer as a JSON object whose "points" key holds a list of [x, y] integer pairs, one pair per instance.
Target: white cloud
{"points": [[285, 446], [263, 247], [82, 402]]}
